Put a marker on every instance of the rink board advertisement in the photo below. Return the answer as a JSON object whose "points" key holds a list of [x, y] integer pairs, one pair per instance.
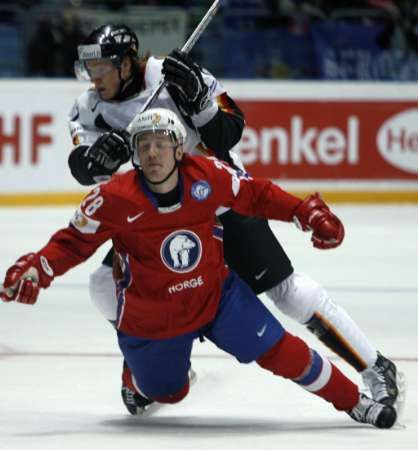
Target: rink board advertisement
{"points": [[35, 142], [355, 142], [336, 140]]}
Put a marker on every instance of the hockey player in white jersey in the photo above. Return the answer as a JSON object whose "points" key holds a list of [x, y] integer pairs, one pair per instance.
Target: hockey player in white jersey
{"points": [[122, 82]]}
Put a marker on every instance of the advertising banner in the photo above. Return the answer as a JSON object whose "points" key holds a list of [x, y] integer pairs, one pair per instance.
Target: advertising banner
{"points": [[333, 140], [346, 140], [34, 136]]}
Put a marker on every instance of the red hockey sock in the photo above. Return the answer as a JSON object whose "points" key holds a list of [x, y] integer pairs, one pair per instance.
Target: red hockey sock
{"points": [[127, 380], [292, 358], [340, 391], [289, 358]]}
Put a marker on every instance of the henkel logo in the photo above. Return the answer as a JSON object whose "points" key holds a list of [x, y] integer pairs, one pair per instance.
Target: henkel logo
{"points": [[299, 144], [397, 140]]}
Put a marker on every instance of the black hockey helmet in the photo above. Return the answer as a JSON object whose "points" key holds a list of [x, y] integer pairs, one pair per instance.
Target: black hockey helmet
{"points": [[110, 41]]}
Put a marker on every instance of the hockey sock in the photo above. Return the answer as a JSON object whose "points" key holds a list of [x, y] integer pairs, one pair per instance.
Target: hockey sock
{"points": [[127, 378], [305, 300], [333, 338], [292, 358], [340, 391]]}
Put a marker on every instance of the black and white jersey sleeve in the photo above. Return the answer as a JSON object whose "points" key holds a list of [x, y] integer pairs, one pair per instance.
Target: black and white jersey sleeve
{"points": [[83, 134], [221, 123], [224, 130]]}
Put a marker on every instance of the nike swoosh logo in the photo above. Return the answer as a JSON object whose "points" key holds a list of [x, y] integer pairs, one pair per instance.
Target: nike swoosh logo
{"points": [[131, 219], [95, 106], [262, 331], [261, 274]]}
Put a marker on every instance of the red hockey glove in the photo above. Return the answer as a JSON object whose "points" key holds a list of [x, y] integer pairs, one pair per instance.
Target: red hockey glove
{"points": [[314, 215], [24, 279]]}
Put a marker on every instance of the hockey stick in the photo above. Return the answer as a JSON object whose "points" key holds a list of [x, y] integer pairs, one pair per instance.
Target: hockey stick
{"points": [[186, 48]]}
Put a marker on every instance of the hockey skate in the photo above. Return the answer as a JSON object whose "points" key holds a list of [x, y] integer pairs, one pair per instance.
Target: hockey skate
{"points": [[386, 383], [138, 405], [135, 403], [374, 413]]}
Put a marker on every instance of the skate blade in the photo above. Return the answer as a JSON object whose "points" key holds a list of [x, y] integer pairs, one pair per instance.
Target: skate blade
{"points": [[399, 405], [192, 377], [149, 410]]}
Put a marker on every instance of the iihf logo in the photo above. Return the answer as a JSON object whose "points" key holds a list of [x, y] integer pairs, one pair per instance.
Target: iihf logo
{"points": [[201, 190], [181, 251]]}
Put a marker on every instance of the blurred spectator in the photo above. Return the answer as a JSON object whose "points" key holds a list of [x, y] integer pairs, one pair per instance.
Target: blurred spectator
{"points": [[411, 24], [279, 32], [295, 15], [41, 60], [383, 9], [19, 3], [52, 49], [69, 37], [117, 5]]}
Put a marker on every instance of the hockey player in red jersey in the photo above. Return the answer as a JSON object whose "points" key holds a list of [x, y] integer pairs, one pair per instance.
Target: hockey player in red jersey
{"points": [[173, 285], [122, 83]]}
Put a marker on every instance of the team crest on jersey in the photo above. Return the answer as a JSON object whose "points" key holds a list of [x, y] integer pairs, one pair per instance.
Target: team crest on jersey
{"points": [[83, 223], [181, 251], [201, 190], [79, 220]]}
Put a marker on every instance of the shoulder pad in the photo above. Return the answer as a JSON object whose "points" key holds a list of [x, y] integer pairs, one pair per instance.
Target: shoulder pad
{"points": [[153, 72], [88, 99]]}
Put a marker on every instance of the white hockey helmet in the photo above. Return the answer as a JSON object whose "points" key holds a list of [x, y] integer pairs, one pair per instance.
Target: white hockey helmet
{"points": [[155, 120]]}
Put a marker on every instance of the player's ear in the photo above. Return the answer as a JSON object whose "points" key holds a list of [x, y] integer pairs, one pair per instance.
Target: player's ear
{"points": [[179, 153]]}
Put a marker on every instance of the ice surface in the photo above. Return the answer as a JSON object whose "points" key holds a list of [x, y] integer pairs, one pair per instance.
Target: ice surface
{"points": [[60, 364]]}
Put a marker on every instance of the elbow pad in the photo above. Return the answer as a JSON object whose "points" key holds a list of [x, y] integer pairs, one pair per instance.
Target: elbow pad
{"points": [[222, 132]]}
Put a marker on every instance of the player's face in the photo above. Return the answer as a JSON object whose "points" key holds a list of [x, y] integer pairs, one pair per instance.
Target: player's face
{"points": [[106, 77], [157, 153]]}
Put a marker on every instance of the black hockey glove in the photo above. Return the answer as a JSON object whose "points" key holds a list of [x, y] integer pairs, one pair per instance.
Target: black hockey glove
{"points": [[185, 82], [109, 151]]}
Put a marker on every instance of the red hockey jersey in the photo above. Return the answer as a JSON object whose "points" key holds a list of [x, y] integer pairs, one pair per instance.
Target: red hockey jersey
{"points": [[173, 266]]}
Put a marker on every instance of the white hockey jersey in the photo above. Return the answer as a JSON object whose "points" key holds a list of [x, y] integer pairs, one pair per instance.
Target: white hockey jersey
{"points": [[89, 110]]}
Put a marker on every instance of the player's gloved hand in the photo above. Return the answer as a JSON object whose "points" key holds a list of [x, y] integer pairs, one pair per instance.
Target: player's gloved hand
{"points": [[185, 82], [24, 279], [314, 215], [109, 152]]}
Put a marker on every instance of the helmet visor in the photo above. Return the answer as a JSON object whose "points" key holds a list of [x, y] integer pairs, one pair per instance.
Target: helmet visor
{"points": [[88, 70], [158, 139]]}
